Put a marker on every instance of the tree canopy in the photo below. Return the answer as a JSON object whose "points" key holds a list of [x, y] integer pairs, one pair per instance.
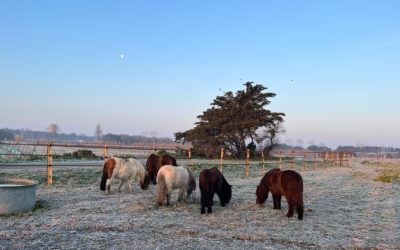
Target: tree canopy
{"points": [[232, 120]]}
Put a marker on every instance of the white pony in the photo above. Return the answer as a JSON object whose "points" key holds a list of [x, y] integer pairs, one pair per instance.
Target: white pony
{"points": [[125, 171], [170, 178]]}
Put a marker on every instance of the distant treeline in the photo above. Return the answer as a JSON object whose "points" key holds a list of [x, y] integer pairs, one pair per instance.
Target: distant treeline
{"points": [[367, 149], [359, 149], [31, 135]]}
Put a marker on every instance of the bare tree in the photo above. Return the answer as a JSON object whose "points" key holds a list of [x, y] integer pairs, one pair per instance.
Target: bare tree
{"points": [[53, 129], [270, 136], [98, 133]]}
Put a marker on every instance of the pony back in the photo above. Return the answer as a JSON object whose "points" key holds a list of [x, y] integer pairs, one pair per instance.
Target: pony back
{"points": [[167, 160]]}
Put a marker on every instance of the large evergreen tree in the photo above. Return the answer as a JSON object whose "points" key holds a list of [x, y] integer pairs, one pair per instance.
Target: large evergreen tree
{"points": [[232, 120]]}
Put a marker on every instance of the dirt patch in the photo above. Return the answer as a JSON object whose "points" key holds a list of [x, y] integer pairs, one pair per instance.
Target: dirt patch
{"points": [[342, 210]]}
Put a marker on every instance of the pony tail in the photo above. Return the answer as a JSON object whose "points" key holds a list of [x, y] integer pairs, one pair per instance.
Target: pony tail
{"points": [[192, 182], [300, 208], [160, 190], [104, 179]]}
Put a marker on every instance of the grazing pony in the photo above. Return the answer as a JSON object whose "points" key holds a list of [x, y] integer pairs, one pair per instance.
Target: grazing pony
{"points": [[155, 162], [288, 183], [211, 181], [170, 178], [125, 171]]}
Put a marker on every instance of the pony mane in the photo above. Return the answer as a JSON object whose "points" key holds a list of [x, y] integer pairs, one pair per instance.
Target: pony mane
{"points": [[226, 193], [263, 189], [167, 160]]}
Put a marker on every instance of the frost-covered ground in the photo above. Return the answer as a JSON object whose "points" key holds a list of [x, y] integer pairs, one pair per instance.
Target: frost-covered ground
{"points": [[345, 208]]}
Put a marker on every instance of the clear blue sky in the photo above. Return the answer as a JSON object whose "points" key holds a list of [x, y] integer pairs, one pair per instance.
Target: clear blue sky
{"points": [[335, 65]]}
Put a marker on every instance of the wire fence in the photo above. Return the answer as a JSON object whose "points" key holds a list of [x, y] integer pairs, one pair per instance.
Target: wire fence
{"points": [[49, 155]]}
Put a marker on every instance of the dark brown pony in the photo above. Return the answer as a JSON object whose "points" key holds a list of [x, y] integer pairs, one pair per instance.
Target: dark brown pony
{"points": [[155, 162], [211, 181], [288, 183]]}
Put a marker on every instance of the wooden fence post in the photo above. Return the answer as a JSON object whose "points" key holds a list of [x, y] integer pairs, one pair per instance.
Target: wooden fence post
{"points": [[335, 155], [263, 161], [315, 161], [247, 161], [49, 165], [190, 154], [292, 158], [105, 152], [222, 160], [280, 159], [305, 160]]}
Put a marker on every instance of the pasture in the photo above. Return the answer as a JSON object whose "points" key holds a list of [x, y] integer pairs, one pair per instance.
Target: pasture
{"points": [[345, 207]]}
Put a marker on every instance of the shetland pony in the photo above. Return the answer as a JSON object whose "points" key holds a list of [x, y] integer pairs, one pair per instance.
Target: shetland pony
{"points": [[154, 162], [288, 183], [125, 171], [211, 181], [170, 178]]}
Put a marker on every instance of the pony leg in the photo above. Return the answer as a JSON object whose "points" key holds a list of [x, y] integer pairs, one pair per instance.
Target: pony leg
{"points": [[108, 186], [168, 197], [275, 200], [129, 186], [300, 209], [279, 201], [120, 185], [181, 192], [203, 201], [291, 207], [210, 203]]}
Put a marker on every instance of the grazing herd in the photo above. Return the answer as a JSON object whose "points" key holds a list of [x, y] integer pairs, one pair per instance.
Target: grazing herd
{"points": [[164, 171]]}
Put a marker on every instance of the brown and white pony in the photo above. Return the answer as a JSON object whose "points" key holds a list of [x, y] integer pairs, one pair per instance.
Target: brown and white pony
{"points": [[155, 162], [170, 178], [124, 171]]}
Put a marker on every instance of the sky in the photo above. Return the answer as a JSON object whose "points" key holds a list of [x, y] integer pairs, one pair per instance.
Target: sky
{"points": [[141, 67]]}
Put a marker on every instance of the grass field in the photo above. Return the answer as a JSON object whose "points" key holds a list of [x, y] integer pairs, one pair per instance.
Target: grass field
{"points": [[345, 207]]}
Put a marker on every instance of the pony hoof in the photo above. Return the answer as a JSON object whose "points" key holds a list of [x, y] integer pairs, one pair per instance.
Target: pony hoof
{"points": [[203, 212]]}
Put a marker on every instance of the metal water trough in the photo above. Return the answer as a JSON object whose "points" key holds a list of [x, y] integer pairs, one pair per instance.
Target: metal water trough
{"points": [[17, 195]]}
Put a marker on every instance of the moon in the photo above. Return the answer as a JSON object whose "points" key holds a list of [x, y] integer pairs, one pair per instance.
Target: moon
{"points": [[122, 56]]}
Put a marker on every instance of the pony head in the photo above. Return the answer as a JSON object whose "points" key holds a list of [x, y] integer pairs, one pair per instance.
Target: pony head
{"points": [[262, 193], [226, 194], [263, 189], [146, 181]]}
